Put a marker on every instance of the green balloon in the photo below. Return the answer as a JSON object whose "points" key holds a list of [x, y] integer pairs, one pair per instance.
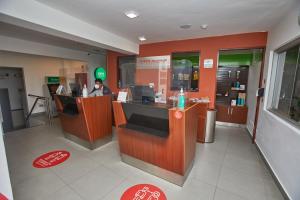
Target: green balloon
{"points": [[100, 73]]}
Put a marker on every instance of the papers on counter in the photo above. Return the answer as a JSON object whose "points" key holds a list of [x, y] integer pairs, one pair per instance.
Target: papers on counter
{"points": [[122, 96]]}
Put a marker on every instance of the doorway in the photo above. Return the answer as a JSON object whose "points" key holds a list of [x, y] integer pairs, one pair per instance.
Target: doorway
{"points": [[238, 79], [12, 98]]}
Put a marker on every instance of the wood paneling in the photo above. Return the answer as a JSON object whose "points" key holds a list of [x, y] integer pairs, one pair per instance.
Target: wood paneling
{"points": [[94, 119], [239, 114], [119, 115], [174, 153], [232, 114], [223, 113], [203, 107], [98, 116]]}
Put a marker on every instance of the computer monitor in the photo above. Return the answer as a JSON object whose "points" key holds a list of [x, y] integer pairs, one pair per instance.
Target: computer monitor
{"points": [[75, 88], [142, 93]]}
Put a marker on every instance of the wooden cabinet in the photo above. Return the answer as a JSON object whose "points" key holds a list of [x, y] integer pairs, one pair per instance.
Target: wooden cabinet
{"points": [[232, 114], [238, 114], [226, 78]]}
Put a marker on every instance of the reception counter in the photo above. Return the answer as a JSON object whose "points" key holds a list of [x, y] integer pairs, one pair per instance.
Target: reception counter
{"points": [[86, 121], [157, 138]]}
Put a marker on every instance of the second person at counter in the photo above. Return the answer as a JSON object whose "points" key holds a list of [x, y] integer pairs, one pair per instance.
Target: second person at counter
{"points": [[99, 89]]}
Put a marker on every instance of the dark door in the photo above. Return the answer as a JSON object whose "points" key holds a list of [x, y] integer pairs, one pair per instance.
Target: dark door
{"points": [[6, 110]]}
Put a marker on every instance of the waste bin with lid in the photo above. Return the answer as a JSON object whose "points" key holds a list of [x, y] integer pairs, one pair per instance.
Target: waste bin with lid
{"points": [[210, 126]]}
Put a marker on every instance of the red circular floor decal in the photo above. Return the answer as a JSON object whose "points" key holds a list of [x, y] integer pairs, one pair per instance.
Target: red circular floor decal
{"points": [[143, 192], [51, 159], [2, 197]]}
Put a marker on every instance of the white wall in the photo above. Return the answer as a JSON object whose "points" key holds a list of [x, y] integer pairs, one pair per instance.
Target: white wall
{"points": [[35, 69], [253, 82], [278, 140], [41, 16], [5, 185]]}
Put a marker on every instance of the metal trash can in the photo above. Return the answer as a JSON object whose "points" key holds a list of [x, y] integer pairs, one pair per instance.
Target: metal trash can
{"points": [[210, 126]]}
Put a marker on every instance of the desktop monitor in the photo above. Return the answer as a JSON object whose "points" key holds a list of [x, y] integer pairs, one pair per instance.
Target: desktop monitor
{"points": [[75, 88], [142, 93]]}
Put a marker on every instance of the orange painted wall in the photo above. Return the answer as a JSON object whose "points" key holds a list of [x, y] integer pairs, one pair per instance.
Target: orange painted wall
{"points": [[208, 48], [112, 70]]}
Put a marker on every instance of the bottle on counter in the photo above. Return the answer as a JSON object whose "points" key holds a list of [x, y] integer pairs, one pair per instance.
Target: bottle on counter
{"points": [[85, 91], [181, 99]]}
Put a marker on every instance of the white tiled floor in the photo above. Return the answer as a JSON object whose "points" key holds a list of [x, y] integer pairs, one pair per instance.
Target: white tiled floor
{"points": [[229, 169]]}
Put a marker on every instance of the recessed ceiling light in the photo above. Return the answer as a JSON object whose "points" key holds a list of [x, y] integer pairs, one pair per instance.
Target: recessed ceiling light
{"points": [[185, 26], [142, 38], [204, 26], [131, 14]]}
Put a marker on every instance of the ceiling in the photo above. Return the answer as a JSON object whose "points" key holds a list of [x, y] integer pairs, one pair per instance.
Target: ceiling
{"points": [[159, 20], [35, 36]]}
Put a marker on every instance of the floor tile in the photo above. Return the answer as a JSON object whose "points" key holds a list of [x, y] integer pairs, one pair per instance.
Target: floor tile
{"points": [[271, 190], [207, 172], [229, 168], [74, 168], [194, 190], [64, 193], [224, 195], [242, 184], [38, 187], [96, 184]]}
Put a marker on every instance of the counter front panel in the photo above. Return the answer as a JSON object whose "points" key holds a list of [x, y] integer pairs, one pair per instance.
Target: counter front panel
{"points": [[147, 118]]}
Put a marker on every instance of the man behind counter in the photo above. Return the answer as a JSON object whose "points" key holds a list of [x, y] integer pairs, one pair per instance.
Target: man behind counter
{"points": [[100, 89]]}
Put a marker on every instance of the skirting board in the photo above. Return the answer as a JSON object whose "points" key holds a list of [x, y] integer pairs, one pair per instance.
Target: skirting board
{"points": [[281, 189], [86, 144], [230, 124], [157, 171]]}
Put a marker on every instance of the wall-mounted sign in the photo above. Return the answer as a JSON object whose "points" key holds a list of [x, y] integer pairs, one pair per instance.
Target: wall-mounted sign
{"points": [[154, 62], [100, 73], [52, 79], [208, 63], [51, 159]]}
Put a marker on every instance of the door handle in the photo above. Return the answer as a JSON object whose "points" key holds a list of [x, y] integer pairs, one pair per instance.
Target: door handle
{"points": [[231, 111]]}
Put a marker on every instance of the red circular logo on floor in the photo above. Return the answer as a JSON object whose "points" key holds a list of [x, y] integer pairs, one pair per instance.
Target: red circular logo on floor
{"points": [[143, 192], [51, 159], [2, 197]]}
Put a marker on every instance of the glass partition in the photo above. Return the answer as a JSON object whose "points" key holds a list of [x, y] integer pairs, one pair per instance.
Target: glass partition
{"points": [[185, 71]]}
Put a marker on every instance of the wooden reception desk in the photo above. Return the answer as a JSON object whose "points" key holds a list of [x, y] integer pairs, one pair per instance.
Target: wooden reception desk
{"points": [[157, 138], [86, 121]]}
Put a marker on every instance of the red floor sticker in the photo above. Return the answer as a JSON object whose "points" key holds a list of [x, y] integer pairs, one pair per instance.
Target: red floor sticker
{"points": [[143, 192], [51, 159], [2, 197]]}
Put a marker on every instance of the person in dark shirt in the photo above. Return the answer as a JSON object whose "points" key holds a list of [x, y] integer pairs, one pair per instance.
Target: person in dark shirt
{"points": [[100, 89]]}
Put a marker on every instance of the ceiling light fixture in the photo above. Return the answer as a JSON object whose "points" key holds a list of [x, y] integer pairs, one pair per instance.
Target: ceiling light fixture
{"points": [[185, 26], [131, 14], [142, 38], [204, 26]]}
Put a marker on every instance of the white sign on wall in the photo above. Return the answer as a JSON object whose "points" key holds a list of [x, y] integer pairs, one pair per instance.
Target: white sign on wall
{"points": [[208, 63], [154, 62]]}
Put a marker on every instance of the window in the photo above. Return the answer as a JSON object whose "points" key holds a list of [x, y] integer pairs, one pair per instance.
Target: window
{"points": [[126, 71], [286, 93], [185, 71]]}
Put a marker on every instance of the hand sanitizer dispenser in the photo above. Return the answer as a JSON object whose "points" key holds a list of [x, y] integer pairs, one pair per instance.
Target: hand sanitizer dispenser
{"points": [[84, 91], [181, 99]]}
